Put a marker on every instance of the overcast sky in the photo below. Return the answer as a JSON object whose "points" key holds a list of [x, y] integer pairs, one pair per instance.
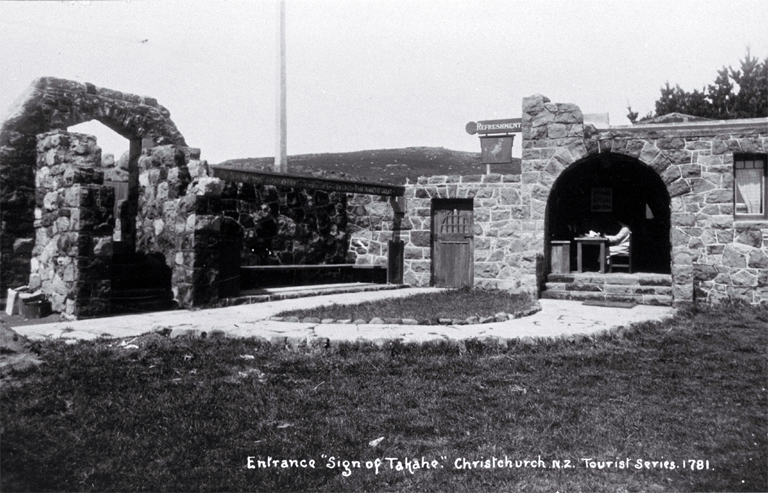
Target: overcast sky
{"points": [[372, 74]]}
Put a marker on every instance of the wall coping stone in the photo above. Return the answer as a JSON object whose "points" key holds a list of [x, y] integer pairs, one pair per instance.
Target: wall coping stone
{"points": [[715, 126]]}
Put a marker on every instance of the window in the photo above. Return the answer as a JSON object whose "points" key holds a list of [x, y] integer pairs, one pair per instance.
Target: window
{"points": [[749, 195]]}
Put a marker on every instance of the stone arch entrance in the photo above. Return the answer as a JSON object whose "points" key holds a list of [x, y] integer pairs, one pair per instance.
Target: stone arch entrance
{"points": [[599, 190], [50, 104]]}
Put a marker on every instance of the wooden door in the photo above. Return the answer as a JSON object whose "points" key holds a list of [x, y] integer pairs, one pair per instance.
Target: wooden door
{"points": [[453, 244]]}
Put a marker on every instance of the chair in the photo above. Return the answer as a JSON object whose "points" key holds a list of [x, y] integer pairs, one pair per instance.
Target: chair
{"points": [[624, 265]]}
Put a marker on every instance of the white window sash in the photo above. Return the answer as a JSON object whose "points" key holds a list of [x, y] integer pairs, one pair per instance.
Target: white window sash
{"points": [[751, 190]]}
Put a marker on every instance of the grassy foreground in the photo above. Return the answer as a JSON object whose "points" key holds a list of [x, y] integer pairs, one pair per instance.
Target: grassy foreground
{"points": [[453, 304], [186, 415]]}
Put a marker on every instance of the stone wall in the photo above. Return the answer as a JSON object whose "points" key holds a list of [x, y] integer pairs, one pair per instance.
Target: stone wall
{"points": [[370, 228], [713, 256], [50, 103], [207, 228], [506, 246], [286, 226], [179, 216], [74, 219]]}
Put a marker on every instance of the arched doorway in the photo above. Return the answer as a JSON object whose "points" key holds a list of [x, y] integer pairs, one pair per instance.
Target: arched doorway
{"points": [[57, 104], [595, 193]]}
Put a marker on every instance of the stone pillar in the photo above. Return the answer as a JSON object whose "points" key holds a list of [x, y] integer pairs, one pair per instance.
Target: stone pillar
{"points": [[180, 216], [553, 139], [74, 221], [196, 268]]}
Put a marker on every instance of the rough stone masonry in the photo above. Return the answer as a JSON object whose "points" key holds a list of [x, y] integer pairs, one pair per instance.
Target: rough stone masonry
{"points": [[714, 255], [58, 215]]}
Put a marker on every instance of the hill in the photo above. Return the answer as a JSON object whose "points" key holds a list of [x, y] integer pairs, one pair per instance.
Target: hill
{"points": [[391, 166]]}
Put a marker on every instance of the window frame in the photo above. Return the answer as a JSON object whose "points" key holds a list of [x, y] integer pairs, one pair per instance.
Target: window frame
{"points": [[753, 156]]}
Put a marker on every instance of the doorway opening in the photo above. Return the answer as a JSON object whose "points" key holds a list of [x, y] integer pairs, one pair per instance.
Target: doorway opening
{"points": [[140, 281], [599, 192], [453, 251], [115, 157]]}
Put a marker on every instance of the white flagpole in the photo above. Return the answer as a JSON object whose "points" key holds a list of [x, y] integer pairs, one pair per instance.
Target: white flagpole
{"points": [[281, 150]]}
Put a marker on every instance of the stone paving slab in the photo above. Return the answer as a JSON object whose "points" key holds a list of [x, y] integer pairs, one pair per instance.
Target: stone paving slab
{"points": [[229, 320], [557, 318]]}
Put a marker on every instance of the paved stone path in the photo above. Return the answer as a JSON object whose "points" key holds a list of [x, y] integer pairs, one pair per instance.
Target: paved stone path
{"points": [[557, 318]]}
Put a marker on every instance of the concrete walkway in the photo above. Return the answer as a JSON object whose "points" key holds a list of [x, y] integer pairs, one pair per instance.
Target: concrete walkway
{"points": [[557, 318]]}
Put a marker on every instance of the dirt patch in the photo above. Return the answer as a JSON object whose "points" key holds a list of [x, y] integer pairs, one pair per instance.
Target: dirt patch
{"points": [[18, 320], [15, 354]]}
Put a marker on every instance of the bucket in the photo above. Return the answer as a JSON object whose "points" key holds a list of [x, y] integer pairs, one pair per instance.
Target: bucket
{"points": [[34, 309]]}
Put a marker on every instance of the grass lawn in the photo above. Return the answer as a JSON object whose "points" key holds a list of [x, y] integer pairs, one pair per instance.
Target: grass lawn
{"points": [[186, 414], [453, 304]]}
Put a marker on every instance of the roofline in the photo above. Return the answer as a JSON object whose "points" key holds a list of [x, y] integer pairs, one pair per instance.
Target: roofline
{"points": [[701, 125], [254, 177]]}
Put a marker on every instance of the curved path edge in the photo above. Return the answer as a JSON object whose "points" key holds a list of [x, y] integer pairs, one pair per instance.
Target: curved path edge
{"points": [[557, 318]]}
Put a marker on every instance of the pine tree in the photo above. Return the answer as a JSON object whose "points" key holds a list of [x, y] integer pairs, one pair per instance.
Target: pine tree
{"points": [[752, 99], [721, 95], [631, 115], [741, 93]]}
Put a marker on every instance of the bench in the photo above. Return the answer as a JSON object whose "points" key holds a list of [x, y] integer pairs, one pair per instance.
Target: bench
{"points": [[273, 276]]}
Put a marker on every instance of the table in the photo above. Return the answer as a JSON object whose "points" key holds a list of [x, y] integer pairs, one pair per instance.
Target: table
{"points": [[591, 241]]}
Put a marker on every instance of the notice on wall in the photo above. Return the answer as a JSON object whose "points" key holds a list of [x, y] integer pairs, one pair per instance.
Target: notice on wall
{"points": [[602, 199]]}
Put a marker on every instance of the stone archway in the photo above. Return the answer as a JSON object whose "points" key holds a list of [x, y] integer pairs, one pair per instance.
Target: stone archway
{"points": [[49, 104], [638, 197], [693, 164]]}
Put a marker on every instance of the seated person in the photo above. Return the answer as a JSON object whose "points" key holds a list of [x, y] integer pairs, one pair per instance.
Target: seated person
{"points": [[619, 243]]}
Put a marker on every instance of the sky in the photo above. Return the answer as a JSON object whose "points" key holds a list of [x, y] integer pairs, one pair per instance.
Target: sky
{"points": [[371, 74]]}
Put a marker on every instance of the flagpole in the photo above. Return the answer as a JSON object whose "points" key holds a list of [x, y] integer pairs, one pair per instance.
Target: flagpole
{"points": [[281, 151]]}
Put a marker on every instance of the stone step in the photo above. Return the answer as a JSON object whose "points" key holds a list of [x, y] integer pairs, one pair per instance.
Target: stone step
{"points": [[640, 287], [641, 278], [142, 300], [629, 289], [142, 293], [657, 298], [250, 296]]}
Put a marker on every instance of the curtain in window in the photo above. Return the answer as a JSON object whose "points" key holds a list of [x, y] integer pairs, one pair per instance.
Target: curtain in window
{"points": [[749, 183]]}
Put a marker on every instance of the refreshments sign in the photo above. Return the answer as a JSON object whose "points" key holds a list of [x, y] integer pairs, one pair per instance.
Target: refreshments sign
{"points": [[511, 125]]}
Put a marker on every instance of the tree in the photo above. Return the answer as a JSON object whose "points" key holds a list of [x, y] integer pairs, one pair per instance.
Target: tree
{"points": [[721, 96], [741, 93], [752, 99], [672, 100], [632, 115]]}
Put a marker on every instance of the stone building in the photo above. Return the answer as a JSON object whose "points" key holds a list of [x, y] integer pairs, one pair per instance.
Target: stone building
{"points": [[692, 192]]}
